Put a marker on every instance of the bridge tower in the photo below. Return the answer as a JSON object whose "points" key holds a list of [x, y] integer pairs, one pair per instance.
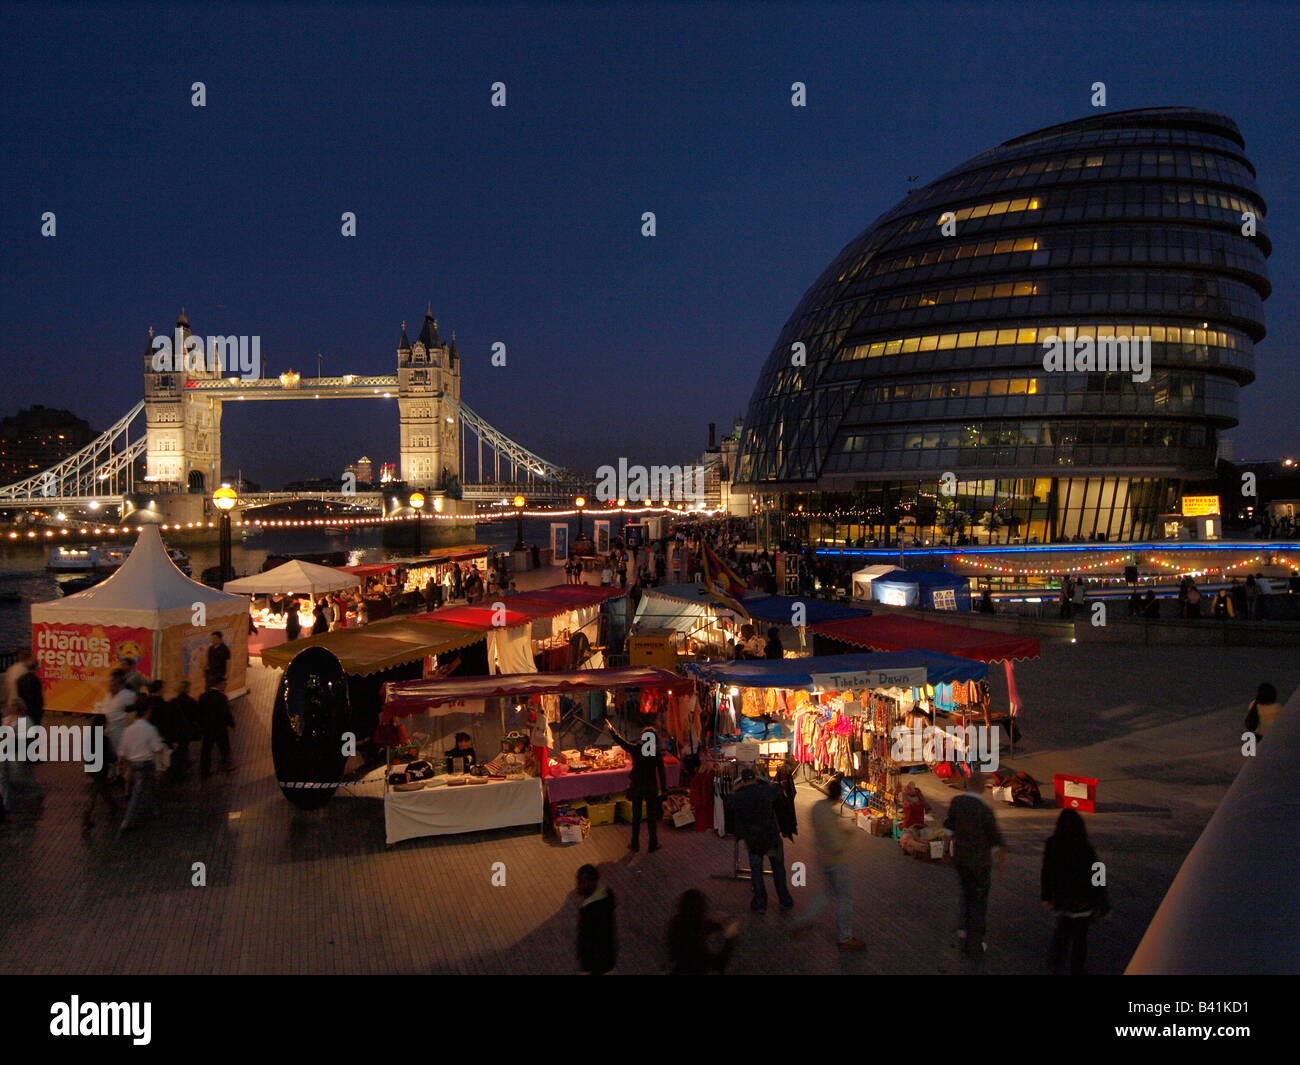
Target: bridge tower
{"points": [[428, 377], [183, 453]]}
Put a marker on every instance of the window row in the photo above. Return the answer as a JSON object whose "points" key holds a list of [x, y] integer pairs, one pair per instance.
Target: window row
{"points": [[1059, 434], [1130, 244], [1163, 382], [1160, 334]]}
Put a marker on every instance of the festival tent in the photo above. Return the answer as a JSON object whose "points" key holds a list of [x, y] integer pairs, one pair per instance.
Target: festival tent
{"points": [[294, 578], [816, 671], [892, 632], [921, 588], [147, 610], [862, 580], [781, 609], [425, 696]]}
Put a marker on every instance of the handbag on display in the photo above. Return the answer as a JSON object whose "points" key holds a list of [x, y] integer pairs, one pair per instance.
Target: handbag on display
{"points": [[515, 742]]}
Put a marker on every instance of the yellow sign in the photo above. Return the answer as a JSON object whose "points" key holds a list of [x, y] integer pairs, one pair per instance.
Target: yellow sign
{"points": [[1199, 506]]}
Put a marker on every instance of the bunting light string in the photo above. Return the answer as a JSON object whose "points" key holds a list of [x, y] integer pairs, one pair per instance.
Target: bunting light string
{"points": [[1013, 571]]}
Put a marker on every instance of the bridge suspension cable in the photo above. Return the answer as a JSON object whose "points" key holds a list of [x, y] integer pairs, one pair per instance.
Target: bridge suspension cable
{"points": [[104, 467], [520, 460]]}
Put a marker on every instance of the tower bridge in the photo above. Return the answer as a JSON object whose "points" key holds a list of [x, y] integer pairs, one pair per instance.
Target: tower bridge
{"points": [[445, 446]]}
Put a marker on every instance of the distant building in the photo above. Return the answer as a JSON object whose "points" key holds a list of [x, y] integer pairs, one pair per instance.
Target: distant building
{"points": [[363, 470], [37, 438], [719, 462]]}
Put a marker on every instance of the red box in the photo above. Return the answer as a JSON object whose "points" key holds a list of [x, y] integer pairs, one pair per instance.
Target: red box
{"points": [[1075, 793]]}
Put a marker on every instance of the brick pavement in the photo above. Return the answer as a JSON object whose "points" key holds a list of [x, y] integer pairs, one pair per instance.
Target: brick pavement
{"points": [[320, 892]]}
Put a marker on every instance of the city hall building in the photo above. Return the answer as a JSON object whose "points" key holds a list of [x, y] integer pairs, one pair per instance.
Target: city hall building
{"points": [[1041, 345]]}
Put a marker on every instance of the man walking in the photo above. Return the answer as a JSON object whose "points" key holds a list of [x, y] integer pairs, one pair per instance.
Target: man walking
{"points": [[973, 831], [649, 781], [218, 659], [832, 834], [215, 719], [754, 807], [140, 742]]}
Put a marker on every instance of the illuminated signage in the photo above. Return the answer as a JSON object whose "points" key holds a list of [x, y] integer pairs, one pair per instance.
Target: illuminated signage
{"points": [[1199, 506]]}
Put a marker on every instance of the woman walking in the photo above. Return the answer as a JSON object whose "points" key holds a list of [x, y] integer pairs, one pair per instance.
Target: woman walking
{"points": [[1074, 888]]}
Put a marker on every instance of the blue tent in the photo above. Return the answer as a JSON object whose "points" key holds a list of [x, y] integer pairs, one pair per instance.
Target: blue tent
{"points": [[659, 607], [799, 672], [918, 588]]}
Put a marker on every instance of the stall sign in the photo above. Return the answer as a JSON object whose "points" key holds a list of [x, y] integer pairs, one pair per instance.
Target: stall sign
{"points": [[602, 537], [1200, 506], [945, 599], [76, 659], [912, 677]]}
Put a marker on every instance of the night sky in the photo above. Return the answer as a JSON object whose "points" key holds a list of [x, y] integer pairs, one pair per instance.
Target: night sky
{"points": [[522, 224]]}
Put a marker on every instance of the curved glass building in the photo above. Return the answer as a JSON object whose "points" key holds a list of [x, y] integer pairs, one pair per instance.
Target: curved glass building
{"points": [[1042, 344]]}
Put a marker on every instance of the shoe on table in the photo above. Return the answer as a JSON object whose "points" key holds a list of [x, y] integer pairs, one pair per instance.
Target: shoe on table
{"points": [[853, 944]]}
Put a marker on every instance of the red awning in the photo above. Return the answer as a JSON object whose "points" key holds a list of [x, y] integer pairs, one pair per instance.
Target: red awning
{"points": [[414, 696], [572, 596], [891, 632], [370, 569], [478, 616]]}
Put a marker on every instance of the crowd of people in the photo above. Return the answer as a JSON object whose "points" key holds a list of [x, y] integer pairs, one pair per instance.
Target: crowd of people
{"points": [[146, 735], [696, 943]]}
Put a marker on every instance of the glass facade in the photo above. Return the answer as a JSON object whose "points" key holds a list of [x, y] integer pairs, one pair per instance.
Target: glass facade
{"points": [[920, 351]]}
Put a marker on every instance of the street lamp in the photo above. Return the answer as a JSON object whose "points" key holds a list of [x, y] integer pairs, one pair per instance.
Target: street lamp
{"points": [[224, 499], [580, 502], [519, 523], [621, 504], [417, 504]]}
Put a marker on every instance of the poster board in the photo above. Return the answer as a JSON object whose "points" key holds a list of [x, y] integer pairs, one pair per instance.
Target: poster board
{"points": [[559, 543], [76, 659], [602, 537]]}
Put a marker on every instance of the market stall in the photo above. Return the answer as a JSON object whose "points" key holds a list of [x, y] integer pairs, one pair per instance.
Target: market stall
{"points": [[921, 589], [443, 806], [293, 579], [148, 611], [710, 627], [862, 717], [861, 582]]}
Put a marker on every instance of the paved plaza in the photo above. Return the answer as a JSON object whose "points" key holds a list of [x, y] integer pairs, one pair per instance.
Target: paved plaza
{"points": [[320, 892]]}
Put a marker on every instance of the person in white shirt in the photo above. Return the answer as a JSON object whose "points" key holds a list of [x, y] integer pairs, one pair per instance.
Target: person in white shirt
{"points": [[140, 742], [116, 706], [607, 575], [13, 673]]}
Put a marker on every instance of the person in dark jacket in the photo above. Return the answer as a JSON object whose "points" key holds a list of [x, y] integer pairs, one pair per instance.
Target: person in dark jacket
{"points": [[693, 949], [183, 717], [293, 624], [1074, 888], [597, 941], [786, 818], [28, 688], [215, 719], [321, 621], [754, 805], [974, 833], [649, 781], [218, 658], [773, 648]]}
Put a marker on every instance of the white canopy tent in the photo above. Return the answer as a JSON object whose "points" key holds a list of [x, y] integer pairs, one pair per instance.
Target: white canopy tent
{"points": [[149, 611], [294, 578], [862, 579]]}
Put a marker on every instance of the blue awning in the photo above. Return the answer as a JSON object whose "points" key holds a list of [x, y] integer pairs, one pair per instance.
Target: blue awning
{"points": [[798, 672]]}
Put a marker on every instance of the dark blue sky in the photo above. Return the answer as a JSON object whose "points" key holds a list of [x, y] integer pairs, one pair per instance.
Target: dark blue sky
{"points": [[523, 224]]}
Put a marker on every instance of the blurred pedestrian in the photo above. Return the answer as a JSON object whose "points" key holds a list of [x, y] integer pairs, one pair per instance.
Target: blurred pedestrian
{"points": [[1074, 888], [833, 835], [215, 721], [597, 940], [697, 944], [141, 742], [754, 805], [973, 832]]}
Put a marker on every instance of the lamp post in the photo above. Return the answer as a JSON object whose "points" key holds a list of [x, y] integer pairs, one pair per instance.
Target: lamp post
{"points": [[224, 499], [519, 522], [417, 504], [580, 502], [623, 530]]}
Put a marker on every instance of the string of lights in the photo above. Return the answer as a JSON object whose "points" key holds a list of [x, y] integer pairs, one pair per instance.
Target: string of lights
{"points": [[1018, 572]]}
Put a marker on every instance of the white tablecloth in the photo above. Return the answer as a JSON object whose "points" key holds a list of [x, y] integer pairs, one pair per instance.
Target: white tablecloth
{"points": [[444, 811]]}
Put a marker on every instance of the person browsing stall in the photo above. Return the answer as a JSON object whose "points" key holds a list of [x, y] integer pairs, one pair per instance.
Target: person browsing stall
{"points": [[464, 750]]}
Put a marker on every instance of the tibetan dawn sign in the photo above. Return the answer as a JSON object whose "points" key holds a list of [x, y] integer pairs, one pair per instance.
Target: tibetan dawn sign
{"points": [[910, 677], [75, 660], [1200, 506]]}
